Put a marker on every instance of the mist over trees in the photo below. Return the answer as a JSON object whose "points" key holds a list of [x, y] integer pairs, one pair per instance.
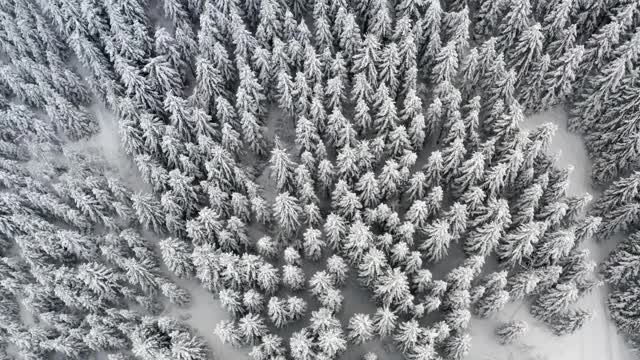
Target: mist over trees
{"points": [[285, 150]]}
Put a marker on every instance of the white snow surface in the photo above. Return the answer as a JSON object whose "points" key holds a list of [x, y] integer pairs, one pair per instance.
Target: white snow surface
{"points": [[598, 340]]}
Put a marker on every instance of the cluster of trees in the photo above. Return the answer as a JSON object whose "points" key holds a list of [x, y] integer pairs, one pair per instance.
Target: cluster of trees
{"points": [[406, 145], [72, 261], [605, 106], [618, 208], [604, 109], [76, 276], [348, 189], [34, 70]]}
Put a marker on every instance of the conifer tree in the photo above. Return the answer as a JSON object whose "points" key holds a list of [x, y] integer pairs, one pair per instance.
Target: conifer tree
{"points": [[407, 335], [281, 168], [469, 71], [518, 244], [528, 49], [349, 34], [483, 239], [417, 186], [433, 169], [338, 268], [559, 80], [494, 299], [385, 321], [554, 246], [471, 173], [372, 265], [430, 40], [287, 211], [523, 284], [618, 268], [277, 312], [293, 277], [380, 23], [621, 192], [360, 328], [323, 35], [563, 43], [618, 303], [231, 301], [335, 92], [457, 346], [570, 321], [514, 23], [392, 287], [599, 45], [332, 342], [452, 155], [284, 91], [313, 244], [436, 243], [367, 57], [446, 66], [253, 301], [556, 19], [335, 228], [296, 308], [554, 301], [147, 209], [390, 179], [531, 95], [368, 189], [388, 71], [176, 255], [252, 328], [510, 332], [300, 344], [386, 117], [417, 132]]}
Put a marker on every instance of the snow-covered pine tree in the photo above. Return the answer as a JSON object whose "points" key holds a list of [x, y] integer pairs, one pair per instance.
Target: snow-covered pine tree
{"points": [[531, 94], [495, 297], [287, 211], [570, 321], [527, 50], [559, 80], [176, 255], [457, 346], [510, 332], [554, 301], [438, 238], [361, 328]]}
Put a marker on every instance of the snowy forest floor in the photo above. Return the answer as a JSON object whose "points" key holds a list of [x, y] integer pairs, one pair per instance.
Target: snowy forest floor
{"points": [[596, 341]]}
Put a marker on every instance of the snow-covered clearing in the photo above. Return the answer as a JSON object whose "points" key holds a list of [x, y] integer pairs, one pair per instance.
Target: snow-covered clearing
{"points": [[597, 341]]}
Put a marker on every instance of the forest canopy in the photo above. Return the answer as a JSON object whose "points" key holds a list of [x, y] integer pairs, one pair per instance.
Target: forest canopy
{"points": [[288, 150]]}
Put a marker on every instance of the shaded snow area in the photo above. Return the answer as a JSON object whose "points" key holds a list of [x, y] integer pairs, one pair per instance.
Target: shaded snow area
{"points": [[596, 341]]}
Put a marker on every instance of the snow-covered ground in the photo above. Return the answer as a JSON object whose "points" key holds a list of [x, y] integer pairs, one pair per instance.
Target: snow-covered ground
{"points": [[596, 341]]}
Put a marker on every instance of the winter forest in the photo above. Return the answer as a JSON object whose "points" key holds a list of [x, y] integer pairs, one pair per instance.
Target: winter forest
{"points": [[333, 179]]}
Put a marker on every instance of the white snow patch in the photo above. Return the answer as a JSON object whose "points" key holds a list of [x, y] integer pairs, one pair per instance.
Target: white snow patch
{"points": [[107, 141]]}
